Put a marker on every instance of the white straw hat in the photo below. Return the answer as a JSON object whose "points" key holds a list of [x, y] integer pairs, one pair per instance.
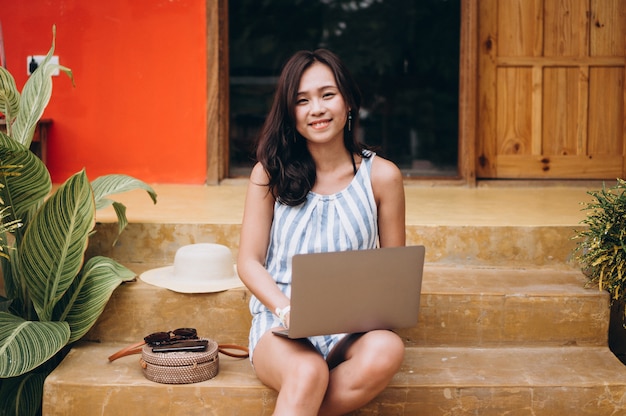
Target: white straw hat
{"points": [[198, 268]]}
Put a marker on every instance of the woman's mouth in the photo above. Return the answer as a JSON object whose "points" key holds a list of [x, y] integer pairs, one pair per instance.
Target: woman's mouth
{"points": [[320, 124]]}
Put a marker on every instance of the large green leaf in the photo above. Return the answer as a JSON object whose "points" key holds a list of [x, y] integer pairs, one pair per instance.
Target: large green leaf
{"points": [[21, 396], [108, 185], [26, 179], [24, 345], [9, 96], [54, 244], [84, 302], [35, 97]]}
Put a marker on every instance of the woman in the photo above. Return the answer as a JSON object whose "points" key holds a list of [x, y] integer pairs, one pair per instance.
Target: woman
{"points": [[315, 188]]}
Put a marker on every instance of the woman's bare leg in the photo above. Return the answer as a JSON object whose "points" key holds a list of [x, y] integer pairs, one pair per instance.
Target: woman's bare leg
{"points": [[370, 363], [294, 369]]}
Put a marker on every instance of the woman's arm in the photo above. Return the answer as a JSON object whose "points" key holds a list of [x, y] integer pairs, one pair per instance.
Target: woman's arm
{"points": [[254, 240], [388, 187]]}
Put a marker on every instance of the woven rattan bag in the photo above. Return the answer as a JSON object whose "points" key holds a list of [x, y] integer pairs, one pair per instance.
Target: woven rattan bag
{"points": [[181, 367]]}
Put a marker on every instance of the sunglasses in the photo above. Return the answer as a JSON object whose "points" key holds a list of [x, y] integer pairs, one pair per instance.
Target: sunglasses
{"points": [[169, 337]]}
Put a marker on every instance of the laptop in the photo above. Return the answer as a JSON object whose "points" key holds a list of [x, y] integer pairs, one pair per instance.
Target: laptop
{"points": [[355, 291]]}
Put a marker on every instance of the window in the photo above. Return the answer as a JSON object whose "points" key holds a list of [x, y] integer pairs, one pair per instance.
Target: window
{"points": [[404, 55]]}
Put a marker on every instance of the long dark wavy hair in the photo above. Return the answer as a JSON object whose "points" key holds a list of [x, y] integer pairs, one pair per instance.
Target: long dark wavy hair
{"points": [[281, 149]]}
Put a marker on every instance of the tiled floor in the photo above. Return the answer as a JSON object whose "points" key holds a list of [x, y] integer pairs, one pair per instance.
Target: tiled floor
{"points": [[522, 206]]}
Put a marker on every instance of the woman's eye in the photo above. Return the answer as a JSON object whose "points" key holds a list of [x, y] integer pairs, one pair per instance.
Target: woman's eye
{"points": [[301, 101], [329, 95]]}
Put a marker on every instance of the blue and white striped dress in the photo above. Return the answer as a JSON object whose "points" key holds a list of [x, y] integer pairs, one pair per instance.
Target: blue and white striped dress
{"points": [[343, 221]]}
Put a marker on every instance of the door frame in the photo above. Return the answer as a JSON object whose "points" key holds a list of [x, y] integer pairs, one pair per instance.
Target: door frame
{"points": [[217, 90], [217, 134], [468, 90]]}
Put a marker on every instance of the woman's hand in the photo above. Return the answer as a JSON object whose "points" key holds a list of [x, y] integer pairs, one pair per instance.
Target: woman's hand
{"points": [[284, 314]]}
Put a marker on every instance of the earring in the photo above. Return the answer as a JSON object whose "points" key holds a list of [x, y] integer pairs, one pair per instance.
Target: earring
{"points": [[349, 120]]}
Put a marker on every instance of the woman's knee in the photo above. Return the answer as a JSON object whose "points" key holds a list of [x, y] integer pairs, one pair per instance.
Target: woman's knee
{"points": [[384, 351], [310, 369], [305, 380]]}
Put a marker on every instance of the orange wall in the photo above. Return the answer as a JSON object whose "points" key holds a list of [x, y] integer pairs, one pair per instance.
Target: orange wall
{"points": [[139, 102]]}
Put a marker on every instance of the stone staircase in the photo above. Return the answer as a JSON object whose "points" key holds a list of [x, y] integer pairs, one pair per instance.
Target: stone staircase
{"points": [[506, 327]]}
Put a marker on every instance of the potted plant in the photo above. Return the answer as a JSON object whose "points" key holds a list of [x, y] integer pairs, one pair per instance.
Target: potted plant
{"points": [[602, 255], [52, 296]]}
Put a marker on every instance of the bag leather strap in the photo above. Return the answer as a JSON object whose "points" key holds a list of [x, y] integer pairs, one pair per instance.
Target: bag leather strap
{"points": [[224, 347], [131, 349]]}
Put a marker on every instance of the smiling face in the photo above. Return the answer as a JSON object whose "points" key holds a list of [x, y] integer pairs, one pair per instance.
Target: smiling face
{"points": [[321, 111]]}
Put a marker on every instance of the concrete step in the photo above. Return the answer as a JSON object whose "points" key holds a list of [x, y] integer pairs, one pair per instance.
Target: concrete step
{"points": [[514, 225], [506, 326], [517, 246], [460, 306], [542, 381]]}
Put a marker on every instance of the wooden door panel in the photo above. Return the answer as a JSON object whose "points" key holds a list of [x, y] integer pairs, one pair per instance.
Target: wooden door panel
{"points": [[551, 89], [606, 110], [567, 28], [519, 27], [562, 99], [514, 111], [608, 21]]}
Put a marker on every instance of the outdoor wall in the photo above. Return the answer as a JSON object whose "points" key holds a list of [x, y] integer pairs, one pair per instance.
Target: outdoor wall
{"points": [[139, 104]]}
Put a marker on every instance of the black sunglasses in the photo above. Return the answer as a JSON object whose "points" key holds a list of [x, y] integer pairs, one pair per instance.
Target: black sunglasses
{"points": [[165, 338]]}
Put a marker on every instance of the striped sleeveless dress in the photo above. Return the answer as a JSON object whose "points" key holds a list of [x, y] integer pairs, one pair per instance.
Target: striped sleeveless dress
{"points": [[346, 220]]}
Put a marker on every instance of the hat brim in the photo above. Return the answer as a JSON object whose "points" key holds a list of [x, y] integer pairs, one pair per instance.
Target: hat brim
{"points": [[162, 277]]}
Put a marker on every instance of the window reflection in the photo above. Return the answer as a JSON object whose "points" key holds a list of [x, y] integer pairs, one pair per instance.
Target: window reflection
{"points": [[404, 55]]}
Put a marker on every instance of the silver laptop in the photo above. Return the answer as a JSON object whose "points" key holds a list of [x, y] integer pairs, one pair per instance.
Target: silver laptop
{"points": [[355, 291]]}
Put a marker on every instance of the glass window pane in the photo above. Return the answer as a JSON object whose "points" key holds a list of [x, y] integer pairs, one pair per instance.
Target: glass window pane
{"points": [[404, 55]]}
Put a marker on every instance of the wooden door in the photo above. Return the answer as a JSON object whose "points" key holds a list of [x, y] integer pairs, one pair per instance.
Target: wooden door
{"points": [[551, 89]]}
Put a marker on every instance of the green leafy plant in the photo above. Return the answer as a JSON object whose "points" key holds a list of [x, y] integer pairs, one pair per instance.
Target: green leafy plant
{"points": [[53, 296], [602, 249]]}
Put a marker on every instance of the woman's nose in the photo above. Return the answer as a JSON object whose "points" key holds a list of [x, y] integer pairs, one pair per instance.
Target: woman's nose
{"points": [[317, 106]]}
